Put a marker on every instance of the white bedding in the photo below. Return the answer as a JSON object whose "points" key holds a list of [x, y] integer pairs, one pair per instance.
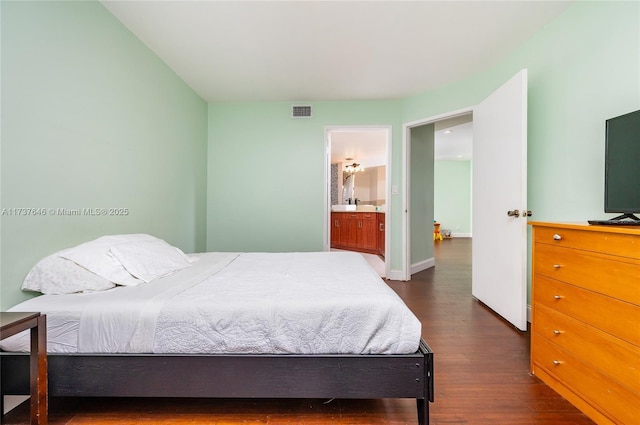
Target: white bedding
{"points": [[322, 302]]}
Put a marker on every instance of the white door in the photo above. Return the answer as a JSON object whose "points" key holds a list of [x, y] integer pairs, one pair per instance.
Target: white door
{"points": [[500, 186]]}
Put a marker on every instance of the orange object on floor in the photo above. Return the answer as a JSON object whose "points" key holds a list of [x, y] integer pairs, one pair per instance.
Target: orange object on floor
{"points": [[436, 232]]}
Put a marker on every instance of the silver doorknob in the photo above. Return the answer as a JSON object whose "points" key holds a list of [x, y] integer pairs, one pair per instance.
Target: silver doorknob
{"points": [[514, 213]]}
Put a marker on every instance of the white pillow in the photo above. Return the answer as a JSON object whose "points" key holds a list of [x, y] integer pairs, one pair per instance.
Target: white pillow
{"points": [[94, 256], [151, 259], [56, 275]]}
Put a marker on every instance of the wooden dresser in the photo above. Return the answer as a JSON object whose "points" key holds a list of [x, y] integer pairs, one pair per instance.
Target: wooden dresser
{"points": [[585, 331]]}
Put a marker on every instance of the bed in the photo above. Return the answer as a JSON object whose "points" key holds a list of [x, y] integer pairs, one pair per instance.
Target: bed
{"points": [[138, 318]]}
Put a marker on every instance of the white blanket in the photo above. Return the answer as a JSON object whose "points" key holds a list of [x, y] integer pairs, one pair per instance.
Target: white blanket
{"points": [[322, 303], [125, 321]]}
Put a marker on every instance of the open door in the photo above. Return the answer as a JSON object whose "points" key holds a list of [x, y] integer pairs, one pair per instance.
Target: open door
{"points": [[499, 216]]}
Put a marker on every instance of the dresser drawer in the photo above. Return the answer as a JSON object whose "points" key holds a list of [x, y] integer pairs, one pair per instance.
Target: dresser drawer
{"points": [[625, 245], [616, 277], [613, 400], [608, 314], [612, 356]]}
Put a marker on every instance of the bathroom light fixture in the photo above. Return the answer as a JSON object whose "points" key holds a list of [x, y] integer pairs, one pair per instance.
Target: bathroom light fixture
{"points": [[353, 168]]}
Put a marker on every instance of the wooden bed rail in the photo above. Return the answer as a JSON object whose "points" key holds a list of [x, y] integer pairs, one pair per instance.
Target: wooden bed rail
{"points": [[232, 376]]}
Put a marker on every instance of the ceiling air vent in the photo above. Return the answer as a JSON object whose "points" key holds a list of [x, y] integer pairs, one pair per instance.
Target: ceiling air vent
{"points": [[301, 111]]}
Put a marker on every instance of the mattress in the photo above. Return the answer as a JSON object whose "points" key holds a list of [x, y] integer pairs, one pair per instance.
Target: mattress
{"points": [[258, 303]]}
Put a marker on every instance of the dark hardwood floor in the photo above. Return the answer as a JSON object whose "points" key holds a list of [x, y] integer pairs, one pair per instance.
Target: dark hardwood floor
{"points": [[481, 373], [481, 361]]}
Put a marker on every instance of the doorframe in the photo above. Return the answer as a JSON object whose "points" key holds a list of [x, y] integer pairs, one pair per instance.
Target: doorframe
{"points": [[406, 181], [326, 233]]}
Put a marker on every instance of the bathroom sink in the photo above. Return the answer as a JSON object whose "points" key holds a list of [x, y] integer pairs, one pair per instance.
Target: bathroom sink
{"points": [[343, 207]]}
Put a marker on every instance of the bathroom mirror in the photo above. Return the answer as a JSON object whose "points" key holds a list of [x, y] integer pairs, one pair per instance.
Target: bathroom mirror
{"points": [[348, 189]]}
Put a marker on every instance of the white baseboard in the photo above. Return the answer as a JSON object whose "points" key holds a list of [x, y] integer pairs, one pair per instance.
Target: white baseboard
{"points": [[394, 275], [415, 268], [423, 265], [460, 235]]}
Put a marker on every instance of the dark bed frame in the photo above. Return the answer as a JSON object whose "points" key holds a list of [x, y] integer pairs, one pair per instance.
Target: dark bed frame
{"points": [[231, 376]]}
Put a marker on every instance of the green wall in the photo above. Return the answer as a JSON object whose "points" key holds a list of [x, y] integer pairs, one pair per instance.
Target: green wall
{"points": [[452, 196], [91, 118], [266, 185], [587, 69], [583, 67]]}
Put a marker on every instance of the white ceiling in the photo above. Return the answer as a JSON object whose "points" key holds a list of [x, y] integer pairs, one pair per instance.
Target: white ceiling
{"points": [[454, 143], [334, 50], [365, 147], [329, 50]]}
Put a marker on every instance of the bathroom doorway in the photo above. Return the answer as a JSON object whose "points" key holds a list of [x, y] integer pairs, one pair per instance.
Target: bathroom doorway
{"points": [[357, 181]]}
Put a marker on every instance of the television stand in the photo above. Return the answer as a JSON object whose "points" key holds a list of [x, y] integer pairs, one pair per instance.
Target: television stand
{"points": [[627, 219]]}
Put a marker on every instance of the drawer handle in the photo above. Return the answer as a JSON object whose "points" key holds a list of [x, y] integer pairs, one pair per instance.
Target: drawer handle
{"points": [[557, 266], [557, 297], [557, 237], [557, 332], [557, 362]]}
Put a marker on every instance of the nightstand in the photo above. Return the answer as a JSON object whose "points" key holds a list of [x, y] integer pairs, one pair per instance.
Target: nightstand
{"points": [[13, 323]]}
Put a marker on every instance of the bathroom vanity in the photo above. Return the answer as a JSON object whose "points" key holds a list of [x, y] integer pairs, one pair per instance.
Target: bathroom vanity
{"points": [[361, 231]]}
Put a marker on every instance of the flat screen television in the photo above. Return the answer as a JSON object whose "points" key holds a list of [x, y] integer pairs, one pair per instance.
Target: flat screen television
{"points": [[622, 168]]}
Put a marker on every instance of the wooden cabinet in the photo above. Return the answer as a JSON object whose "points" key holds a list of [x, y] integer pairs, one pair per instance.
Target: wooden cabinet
{"points": [[585, 330], [357, 231], [335, 228], [381, 234], [342, 229], [367, 232], [349, 230]]}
